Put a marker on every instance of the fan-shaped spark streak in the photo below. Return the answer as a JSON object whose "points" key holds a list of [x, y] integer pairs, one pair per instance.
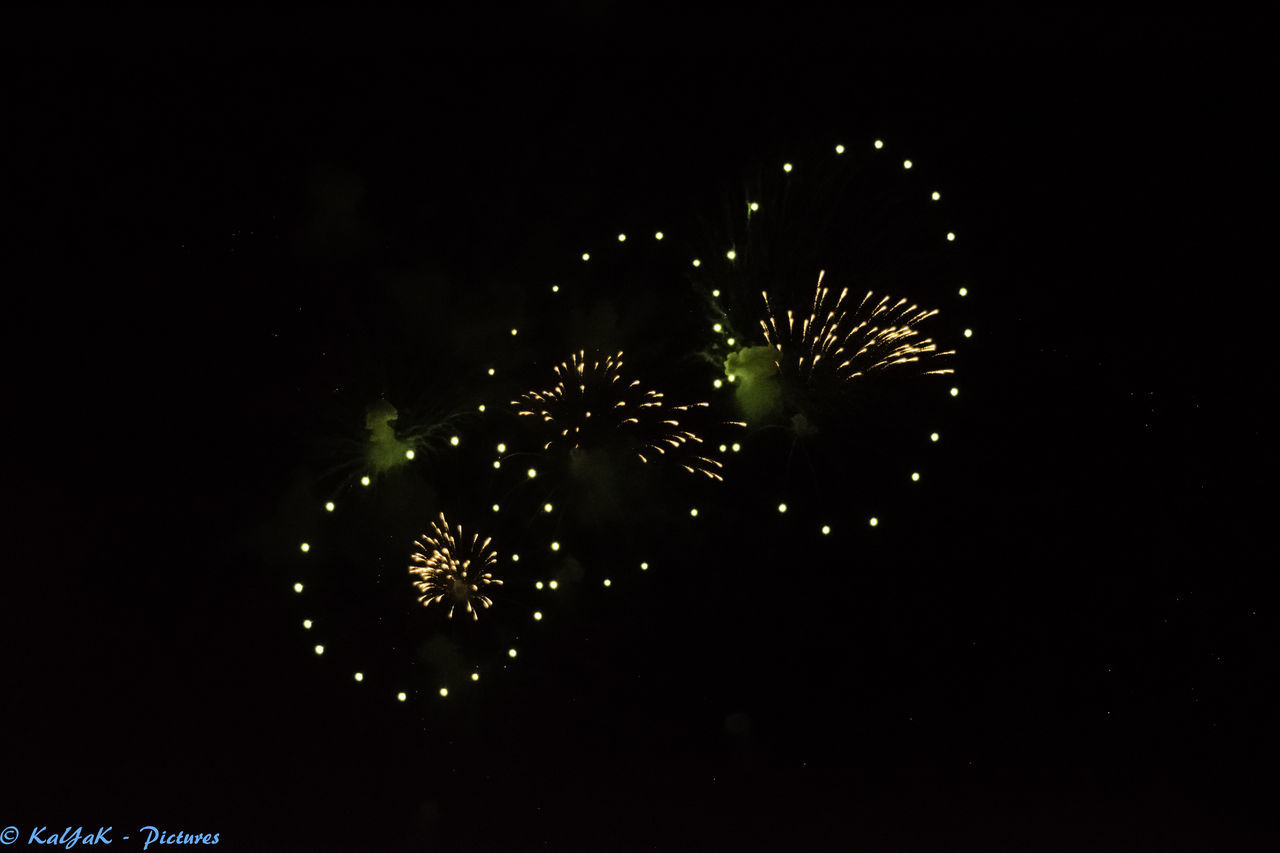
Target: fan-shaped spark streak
{"points": [[849, 343]]}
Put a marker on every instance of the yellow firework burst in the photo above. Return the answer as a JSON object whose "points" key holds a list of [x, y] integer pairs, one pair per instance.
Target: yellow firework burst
{"points": [[592, 405], [448, 568], [844, 342]]}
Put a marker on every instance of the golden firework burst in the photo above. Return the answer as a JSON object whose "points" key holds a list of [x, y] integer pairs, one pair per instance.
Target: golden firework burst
{"points": [[591, 404], [448, 567]]}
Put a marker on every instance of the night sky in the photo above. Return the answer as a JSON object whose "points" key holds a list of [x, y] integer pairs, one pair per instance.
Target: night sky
{"points": [[231, 236]]}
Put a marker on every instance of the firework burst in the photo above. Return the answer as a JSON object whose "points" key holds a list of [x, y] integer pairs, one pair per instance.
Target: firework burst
{"points": [[838, 342], [593, 405], [448, 567]]}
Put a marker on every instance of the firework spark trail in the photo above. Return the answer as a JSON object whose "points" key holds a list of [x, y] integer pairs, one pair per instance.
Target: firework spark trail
{"points": [[447, 566], [584, 386], [867, 341]]}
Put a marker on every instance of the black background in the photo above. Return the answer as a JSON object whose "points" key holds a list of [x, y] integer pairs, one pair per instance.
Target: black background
{"points": [[1075, 652]]}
